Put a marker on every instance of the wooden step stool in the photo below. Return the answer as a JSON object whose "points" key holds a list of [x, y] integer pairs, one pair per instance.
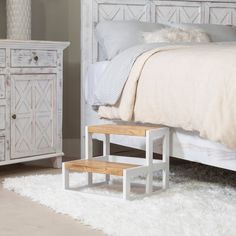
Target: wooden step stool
{"points": [[128, 167]]}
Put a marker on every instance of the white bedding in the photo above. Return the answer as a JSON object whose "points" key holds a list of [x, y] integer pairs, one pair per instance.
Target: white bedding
{"points": [[190, 87], [95, 72]]}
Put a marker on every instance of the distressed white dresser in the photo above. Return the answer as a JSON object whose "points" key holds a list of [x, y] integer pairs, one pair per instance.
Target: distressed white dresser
{"points": [[31, 79]]}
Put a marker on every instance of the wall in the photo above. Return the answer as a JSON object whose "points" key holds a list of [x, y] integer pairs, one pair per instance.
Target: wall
{"points": [[60, 20]]}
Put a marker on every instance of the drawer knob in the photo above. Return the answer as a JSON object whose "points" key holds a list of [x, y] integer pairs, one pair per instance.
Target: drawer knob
{"points": [[36, 58], [14, 116]]}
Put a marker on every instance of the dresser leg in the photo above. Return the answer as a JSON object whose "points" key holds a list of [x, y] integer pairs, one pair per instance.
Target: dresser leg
{"points": [[56, 162]]}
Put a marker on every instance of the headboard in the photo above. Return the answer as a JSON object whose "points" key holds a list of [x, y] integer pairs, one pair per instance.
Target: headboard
{"points": [[176, 11]]}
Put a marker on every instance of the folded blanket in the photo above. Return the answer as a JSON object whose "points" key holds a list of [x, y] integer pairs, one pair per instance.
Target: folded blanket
{"points": [[191, 87]]}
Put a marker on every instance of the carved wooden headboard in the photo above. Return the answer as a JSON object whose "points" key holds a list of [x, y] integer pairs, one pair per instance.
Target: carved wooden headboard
{"points": [[176, 11]]}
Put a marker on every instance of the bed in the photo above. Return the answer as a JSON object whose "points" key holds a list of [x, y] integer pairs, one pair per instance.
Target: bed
{"points": [[184, 144]]}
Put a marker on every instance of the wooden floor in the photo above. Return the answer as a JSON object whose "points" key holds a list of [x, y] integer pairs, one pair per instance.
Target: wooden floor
{"points": [[99, 167], [19, 216]]}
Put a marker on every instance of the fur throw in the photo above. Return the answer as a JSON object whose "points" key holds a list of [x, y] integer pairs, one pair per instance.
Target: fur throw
{"points": [[177, 34]]}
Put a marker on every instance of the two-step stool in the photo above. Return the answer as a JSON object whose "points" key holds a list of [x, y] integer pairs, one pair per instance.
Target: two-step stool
{"points": [[128, 167]]}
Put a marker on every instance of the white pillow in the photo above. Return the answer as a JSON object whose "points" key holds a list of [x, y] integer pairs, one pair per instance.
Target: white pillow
{"points": [[177, 34], [116, 36]]}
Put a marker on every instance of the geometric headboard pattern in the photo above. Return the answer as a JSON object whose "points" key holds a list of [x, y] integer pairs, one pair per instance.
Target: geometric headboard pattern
{"points": [[167, 11], [175, 11]]}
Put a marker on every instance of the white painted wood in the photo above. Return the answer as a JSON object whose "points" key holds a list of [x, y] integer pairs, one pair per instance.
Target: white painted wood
{"points": [[56, 162], [7, 72], [106, 151], [65, 177], [188, 11], [2, 117], [2, 149], [32, 158], [32, 102], [2, 87], [220, 13], [147, 167], [33, 58], [166, 159], [178, 12], [89, 153], [126, 185], [33, 44], [2, 57], [32, 91], [150, 166], [149, 159]]}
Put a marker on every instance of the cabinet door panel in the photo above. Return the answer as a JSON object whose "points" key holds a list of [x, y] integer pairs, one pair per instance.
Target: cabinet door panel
{"points": [[33, 115], [2, 116], [44, 107], [2, 148], [220, 13], [178, 12], [2, 86]]}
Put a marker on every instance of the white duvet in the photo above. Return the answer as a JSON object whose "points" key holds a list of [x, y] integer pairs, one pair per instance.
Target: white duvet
{"points": [[191, 87]]}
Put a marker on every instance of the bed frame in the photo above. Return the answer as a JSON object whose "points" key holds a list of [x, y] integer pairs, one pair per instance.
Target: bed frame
{"points": [[184, 145]]}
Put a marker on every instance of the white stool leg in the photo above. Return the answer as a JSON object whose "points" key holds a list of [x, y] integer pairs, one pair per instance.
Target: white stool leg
{"points": [[88, 152], [90, 179], [166, 159], [149, 162], [126, 186], [65, 176], [106, 151]]}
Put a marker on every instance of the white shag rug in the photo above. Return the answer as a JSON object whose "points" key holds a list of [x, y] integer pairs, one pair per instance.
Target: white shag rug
{"points": [[201, 201]]}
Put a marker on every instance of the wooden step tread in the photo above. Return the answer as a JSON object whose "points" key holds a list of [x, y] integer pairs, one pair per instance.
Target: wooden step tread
{"points": [[131, 130], [100, 167]]}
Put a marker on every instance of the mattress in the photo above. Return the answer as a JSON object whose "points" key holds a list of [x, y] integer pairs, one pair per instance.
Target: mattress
{"points": [[95, 72]]}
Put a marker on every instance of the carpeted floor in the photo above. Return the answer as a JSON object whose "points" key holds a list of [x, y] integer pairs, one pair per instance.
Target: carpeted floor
{"points": [[201, 201]]}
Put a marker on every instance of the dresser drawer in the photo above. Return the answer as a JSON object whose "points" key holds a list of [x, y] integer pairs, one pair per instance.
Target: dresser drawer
{"points": [[33, 58], [2, 117], [2, 86], [2, 58]]}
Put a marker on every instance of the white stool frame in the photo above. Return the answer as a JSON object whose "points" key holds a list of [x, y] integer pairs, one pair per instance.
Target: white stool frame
{"points": [[147, 167]]}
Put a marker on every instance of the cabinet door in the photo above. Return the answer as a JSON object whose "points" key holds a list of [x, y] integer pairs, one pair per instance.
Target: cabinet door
{"points": [[2, 148], [33, 109], [2, 86]]}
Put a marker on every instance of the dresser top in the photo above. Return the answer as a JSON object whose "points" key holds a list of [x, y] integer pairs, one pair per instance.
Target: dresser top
{"points": [[33, 44]]}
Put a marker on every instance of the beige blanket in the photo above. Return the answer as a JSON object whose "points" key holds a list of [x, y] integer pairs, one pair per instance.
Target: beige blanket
{"points": [[191, 87]]}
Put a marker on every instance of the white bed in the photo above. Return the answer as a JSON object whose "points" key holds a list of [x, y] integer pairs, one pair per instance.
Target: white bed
{"points": [[184, 145]]}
